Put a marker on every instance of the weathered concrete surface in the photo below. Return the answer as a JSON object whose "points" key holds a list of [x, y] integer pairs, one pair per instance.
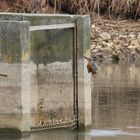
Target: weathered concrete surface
{"points": [[14, 40], [43, 19], [10, 16], [46, 70], [84, 78], [10, 92], [38, 19], [53, 62]]}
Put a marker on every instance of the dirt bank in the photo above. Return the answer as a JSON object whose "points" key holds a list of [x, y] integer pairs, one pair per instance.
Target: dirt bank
{"points": [[26, 6], [112, 39]]}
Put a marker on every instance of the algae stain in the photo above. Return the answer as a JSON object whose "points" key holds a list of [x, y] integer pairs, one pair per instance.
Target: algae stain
{"points": [[10, 58], [25, 56], [10, 131]]}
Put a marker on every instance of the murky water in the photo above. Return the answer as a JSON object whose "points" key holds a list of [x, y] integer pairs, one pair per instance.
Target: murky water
{"points": [[72, 135], [116, 97], [115, 107]]}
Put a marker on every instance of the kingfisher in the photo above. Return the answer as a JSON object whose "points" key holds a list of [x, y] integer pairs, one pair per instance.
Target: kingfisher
{"points": [[91, 66]]}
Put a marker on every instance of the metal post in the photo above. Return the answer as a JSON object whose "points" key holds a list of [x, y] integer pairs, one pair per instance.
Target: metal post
{"points": [[75, 75]]}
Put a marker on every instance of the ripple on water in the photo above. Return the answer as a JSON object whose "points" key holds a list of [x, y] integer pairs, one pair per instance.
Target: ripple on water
{"points": [[111, 133]]}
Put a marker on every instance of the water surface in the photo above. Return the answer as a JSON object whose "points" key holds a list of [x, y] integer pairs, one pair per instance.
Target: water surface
{"points": [[116, 97], [115, 107]]}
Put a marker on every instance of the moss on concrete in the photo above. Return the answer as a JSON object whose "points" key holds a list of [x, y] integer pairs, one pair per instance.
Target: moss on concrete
{"points": [[6, 132]]}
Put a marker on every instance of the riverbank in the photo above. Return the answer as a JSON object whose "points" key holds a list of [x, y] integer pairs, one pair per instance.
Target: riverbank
{"points": [[115, 39], [111, 39]]}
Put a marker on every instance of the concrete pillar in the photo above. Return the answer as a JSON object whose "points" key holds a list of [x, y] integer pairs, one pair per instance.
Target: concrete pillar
{"points": [[17, 53], [84, 78], [15, 88], [25, 75]]}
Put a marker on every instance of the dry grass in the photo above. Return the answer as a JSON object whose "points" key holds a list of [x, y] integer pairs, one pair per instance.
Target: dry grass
{"points": [[110, 8]]}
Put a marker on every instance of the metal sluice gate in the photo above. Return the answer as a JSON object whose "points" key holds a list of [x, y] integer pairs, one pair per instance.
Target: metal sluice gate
{"points": [[68, 123]]}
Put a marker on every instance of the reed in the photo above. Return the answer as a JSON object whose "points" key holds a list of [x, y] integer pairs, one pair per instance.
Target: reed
{"points": [[109, 8]]}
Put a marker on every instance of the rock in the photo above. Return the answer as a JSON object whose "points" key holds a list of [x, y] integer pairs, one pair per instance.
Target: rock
{"points": [[138, 48], [116, 41], [131, 47], [137, 51], [92, 46], [115, 57], [97, 29], [112, 40], [93, 26], [126, 45], [114, 33], [132, 36], [123, 43], [107, 51], [117, 47], [100, 56], [118, 52], [122, 37], [122, 56], [134, 43], [134, 49], [100, 40], [110, 45], [132, 52], [137, 56], [138, 38], [94, 51], [99, 47], [92, 35], [104, 44], [105, 36], [107, 44]]}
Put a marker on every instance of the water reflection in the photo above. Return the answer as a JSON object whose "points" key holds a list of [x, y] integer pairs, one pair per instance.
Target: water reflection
{"points": [[116, 107], [116, 97], [72, 135]]}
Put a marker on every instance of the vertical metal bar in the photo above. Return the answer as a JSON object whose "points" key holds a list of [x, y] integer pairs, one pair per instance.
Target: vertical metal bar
{"points": [[75, 70], [76, 53], [74, 84]]}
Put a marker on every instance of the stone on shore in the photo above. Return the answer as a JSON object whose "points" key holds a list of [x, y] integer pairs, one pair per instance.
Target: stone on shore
{"points": [[105, 36]]}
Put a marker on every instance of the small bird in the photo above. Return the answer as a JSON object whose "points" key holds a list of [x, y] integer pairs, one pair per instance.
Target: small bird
{"points": [[91, 66]]}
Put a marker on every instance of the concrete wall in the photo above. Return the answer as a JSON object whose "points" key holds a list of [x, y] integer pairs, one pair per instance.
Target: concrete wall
{"points": [[44, 69], [15, 91], [84, 78]]}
